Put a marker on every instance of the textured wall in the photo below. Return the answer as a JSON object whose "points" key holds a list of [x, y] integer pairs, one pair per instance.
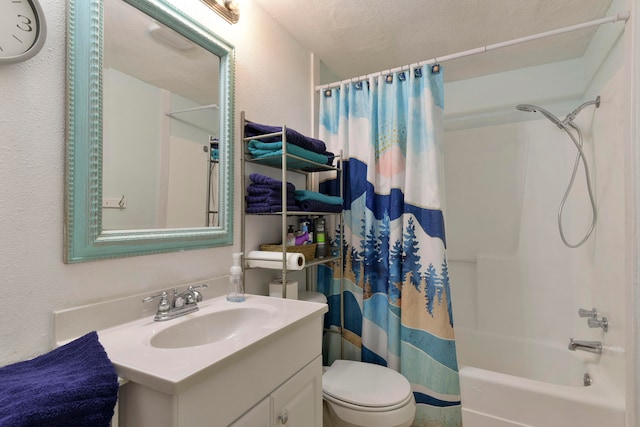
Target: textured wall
{"points": [[272, 82]]}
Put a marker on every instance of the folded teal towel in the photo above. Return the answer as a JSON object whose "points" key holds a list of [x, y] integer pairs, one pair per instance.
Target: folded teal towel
{"points": [[301, 195], [266, 150]]}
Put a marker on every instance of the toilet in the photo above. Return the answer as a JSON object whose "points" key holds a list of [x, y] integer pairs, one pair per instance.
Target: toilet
{"points": [[359, 394]]}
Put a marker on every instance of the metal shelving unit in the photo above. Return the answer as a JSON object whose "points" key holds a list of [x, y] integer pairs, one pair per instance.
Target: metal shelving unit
{"points": [[305, 167]]}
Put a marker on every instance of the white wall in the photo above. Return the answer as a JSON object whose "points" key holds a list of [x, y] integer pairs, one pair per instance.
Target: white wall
{"points": [[130, 152], [272, 85]]}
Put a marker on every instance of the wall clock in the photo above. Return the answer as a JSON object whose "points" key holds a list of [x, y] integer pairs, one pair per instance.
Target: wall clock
{"points": [[22, 30]]}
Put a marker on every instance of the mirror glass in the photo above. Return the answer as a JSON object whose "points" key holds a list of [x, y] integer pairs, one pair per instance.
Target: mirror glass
{"points": [[161, 125], [150, 131]]}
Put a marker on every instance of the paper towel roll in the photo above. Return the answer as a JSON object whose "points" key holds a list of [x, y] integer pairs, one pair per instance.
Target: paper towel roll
{"points": [[273, 260]]}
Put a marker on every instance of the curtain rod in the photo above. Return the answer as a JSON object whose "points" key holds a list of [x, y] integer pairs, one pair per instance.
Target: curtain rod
{"points": [[609, 19]]}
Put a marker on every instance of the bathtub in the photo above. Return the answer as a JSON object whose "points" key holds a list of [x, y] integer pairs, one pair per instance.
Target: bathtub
{"points": [[507, 382]]}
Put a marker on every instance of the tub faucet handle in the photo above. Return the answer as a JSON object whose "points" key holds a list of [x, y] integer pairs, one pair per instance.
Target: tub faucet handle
{"points": [[588, 313], [595, 323]]}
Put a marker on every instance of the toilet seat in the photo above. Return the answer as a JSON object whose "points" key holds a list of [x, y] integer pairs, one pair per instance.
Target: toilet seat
{"points": [[365, 386], [360, 408]]}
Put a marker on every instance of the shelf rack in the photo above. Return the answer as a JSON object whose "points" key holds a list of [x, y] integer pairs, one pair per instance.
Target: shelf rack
{"points": [[304, 166]]}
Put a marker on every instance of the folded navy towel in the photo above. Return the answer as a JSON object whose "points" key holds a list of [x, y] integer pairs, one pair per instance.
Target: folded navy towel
{"points": [[267, 181], [293, 137], [267, 208], [317, 206], [270, 200], [267, 190], [72, 385], [261, 190]]}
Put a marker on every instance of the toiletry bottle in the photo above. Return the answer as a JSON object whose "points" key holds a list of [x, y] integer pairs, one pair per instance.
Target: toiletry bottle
{"points": [[291, 237], [321, 249], [304, 229], [306, 226], [236, 285], [310, 227], [302, 239]]}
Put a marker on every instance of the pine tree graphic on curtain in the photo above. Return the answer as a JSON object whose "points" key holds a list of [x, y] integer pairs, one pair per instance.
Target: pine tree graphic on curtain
{"points": [[376, 268]]}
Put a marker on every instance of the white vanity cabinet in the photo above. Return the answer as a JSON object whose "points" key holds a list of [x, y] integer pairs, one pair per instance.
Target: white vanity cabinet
{"points": [[297, 402], [271, 376], [258, 416]]}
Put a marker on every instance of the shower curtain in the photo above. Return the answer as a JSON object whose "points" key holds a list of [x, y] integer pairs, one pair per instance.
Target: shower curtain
{"points": [[397, 304]]}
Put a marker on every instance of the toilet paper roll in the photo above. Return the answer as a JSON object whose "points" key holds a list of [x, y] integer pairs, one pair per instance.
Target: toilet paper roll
{"points": [[273, 260], [275, 289]]}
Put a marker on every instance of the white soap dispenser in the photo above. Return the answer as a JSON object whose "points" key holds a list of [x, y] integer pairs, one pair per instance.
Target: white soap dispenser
{"points": [[236, 285]]}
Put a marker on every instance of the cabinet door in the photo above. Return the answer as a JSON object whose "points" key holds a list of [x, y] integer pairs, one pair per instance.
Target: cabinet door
{"points": [[258, 416], [298, 402]]}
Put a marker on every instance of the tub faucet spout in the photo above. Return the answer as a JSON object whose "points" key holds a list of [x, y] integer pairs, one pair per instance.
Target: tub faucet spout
{"points": [[590, 346]]}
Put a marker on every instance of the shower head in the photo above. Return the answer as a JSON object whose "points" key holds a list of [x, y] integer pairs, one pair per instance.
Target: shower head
{"points": [[529, 108], [526, 107]]}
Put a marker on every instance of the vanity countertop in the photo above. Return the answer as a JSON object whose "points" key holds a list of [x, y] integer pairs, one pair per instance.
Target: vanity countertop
{"points": [[133, 349]]}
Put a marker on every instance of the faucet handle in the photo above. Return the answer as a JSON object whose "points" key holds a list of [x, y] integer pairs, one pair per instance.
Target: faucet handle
{"points": [[164, 301], [595, 323], [196, 294], [588, 313], [163, 295]]}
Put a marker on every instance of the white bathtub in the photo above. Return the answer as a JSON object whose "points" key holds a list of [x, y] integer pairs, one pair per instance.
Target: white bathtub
{"points": [[507, 382]]}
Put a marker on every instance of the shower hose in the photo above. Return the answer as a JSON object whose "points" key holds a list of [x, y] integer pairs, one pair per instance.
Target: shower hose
{"points": [[579, 156]]}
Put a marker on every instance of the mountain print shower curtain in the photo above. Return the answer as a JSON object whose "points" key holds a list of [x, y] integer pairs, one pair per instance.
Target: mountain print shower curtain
{"points": [[397, 298]]}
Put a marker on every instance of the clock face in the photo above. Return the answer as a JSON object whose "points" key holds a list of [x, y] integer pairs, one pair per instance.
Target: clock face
{"points": [[21, 29]]}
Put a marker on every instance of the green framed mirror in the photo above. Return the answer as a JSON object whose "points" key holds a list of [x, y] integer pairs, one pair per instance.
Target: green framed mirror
{"points": [[149, 131]]}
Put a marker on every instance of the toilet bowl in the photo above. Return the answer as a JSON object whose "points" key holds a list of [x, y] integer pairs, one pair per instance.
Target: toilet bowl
{"points": [[358, 394]]}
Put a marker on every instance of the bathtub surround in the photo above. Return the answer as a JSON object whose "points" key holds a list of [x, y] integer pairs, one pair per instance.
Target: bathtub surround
{"points": [[517, 288], [397, 307]]}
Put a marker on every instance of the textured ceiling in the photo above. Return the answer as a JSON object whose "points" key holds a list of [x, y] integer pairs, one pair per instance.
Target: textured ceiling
{"points": [[357, 37]]}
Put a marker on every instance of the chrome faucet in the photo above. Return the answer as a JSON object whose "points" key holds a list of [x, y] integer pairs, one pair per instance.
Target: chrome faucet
{"points": [[592, 318], [593, 313], [598, 323], [590, 346], [182, 303]]}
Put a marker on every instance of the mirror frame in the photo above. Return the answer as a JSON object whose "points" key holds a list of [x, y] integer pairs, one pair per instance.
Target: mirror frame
{"points": [[83, 235]]}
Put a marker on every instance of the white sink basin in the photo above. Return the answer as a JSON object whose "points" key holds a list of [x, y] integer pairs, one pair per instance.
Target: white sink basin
{"points": [[172, 355], [213, 327]]}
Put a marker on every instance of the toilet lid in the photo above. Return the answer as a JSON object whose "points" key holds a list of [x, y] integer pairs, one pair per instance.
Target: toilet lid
{"points": [[365, 384], [312, 296]]}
